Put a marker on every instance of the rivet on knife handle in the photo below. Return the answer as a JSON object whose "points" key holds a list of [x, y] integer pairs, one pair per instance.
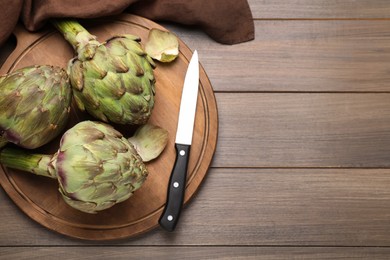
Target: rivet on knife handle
{"points": [[176, 189]]}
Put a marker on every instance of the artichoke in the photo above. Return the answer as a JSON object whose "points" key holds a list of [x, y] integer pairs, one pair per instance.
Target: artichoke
{"points": [[96, 166], [34, 105], [113, 81]]}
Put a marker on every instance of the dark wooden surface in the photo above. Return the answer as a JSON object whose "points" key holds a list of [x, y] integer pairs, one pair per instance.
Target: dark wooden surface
{"points": [[302, 166]]}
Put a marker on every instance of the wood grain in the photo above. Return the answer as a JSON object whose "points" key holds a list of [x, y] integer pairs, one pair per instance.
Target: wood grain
{"points": [[196, 253], [300, 56], [256, 207], [302, 94], [320, 9], [303, 130]]}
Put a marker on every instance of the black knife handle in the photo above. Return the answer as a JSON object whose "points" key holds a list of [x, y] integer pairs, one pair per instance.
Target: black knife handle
{"points": [[176, 189]]}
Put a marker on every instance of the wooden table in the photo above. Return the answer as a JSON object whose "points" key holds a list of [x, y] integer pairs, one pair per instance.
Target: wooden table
{"points": [[302, 166]]}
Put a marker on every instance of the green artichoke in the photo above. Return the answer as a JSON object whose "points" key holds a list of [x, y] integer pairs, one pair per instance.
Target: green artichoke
{"points": [[113, 81], [96, 166], [34, 105]]}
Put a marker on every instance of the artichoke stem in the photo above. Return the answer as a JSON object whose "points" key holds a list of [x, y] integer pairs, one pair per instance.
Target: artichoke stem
{"points": [[74, 33], [34, 163]]}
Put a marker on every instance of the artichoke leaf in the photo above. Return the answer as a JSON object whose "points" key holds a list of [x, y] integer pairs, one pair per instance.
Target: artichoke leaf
{"points": [[149, 141], [162, 45]]}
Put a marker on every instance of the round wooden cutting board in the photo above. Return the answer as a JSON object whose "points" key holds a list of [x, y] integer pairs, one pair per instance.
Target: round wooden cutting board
{"points": [[38, 197]]}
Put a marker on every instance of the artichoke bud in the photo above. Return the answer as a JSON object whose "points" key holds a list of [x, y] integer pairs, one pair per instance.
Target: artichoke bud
{"points": [[110, 66], [90, 179], [34, 98], [95, 166]]}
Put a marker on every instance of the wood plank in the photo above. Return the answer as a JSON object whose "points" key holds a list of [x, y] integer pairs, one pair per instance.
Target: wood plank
{"points": [[292, 207], [325, 9], [255, 207], [314, 56], [197, 253], [303, 130]]}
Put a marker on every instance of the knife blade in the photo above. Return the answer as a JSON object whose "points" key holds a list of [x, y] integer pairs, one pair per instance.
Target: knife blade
{"points": [[185, 127]]}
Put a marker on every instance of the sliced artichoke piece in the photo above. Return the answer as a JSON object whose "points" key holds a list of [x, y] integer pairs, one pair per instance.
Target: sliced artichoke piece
{"points": [[149, 141], [162, 45]]}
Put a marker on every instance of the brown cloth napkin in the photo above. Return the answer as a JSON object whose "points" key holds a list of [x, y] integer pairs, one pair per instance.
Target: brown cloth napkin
{"points": [[226, 21]]}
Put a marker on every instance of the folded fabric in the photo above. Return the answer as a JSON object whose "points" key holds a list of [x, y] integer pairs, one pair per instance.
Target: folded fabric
{"points": [[226, 21]]}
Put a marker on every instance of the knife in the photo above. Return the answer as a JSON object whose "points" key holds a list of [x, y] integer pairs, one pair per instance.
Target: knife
{"points": [[185, 127]]}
